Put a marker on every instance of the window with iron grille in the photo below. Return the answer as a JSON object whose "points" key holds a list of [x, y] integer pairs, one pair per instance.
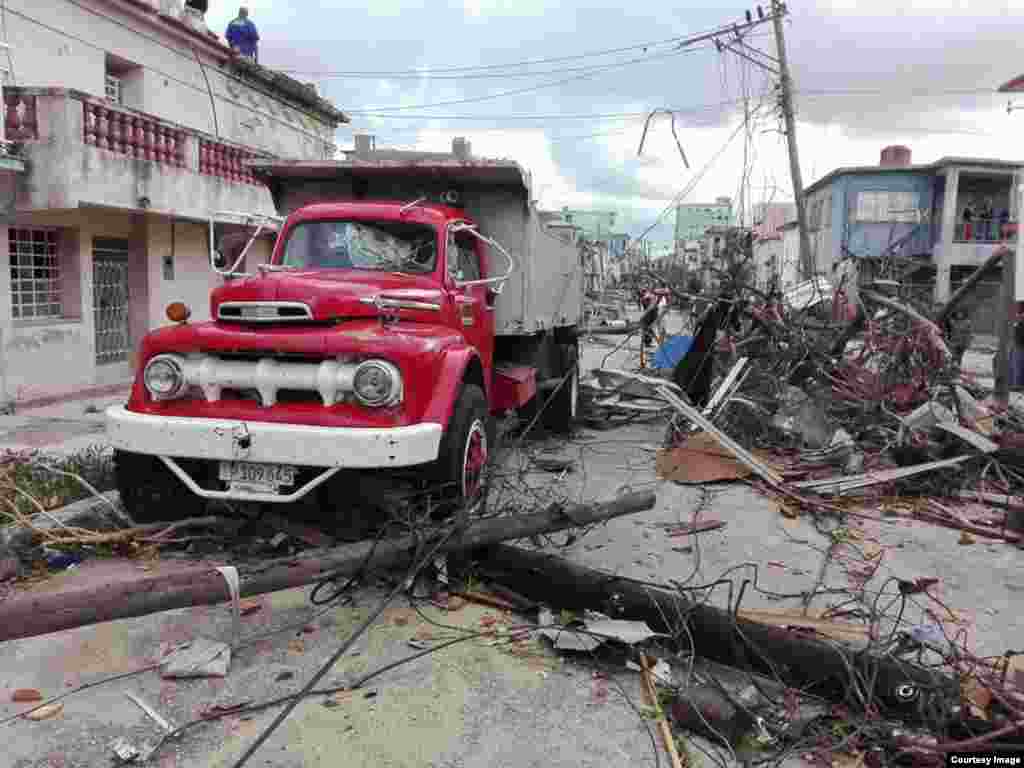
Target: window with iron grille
{"points": [[35, 274], [112, 88]]}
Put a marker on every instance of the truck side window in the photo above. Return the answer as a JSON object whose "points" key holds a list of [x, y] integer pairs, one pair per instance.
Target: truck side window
{"points": [[462, 257]]}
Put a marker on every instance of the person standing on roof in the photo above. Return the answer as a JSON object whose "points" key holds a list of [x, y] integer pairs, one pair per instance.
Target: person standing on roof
{"points": [[242, 35]]}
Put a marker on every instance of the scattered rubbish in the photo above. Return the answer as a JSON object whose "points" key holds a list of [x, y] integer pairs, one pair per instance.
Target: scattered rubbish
{"points": [[672, 351], [217, 710], [24, 695], [628, 632], [700, 459], [802, 417], [45, 712], [296, 645], [286, 675], [249, 607], [124, 750], [201, 657], [689, 529], [155, 716], [966, 538], [568, 640]]}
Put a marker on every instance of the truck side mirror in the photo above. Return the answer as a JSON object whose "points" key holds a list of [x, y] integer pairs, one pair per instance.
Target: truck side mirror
{"points": [[218, 259]]}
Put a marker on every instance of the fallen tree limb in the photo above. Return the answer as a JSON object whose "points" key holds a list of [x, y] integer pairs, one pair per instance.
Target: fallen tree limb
{"points": [[40, 613], [815, 666]]}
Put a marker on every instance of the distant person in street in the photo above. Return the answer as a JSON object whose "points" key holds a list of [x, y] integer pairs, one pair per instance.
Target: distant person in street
{"points": [[242, 35]]}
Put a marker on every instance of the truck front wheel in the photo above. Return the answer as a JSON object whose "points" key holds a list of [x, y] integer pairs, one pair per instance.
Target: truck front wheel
{"points": [[465, 449], [150, 493]]}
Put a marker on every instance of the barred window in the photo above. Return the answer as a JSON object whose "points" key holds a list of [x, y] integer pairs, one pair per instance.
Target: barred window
{"points": [[35, 274]]}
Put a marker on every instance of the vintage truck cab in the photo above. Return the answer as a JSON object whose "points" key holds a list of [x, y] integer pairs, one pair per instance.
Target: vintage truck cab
{"points": [[371, 352]]}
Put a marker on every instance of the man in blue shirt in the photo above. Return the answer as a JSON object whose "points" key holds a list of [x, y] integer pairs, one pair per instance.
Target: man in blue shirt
{"points": [[242, 35]]}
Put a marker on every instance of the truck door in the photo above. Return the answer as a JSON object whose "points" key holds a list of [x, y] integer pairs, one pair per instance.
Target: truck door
{"points": [[474, 304]]}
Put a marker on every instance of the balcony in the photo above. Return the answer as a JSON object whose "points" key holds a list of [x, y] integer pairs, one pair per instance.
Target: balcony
{"points": [[85, 151], [985, 232]]}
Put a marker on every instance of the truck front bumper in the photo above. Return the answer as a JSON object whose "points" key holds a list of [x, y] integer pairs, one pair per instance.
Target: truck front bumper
{"points": [[333, 449]]}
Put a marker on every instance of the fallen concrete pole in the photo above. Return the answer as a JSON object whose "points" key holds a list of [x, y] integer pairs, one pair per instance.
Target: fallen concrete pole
{"points": [[40, 613], [814, 666]]}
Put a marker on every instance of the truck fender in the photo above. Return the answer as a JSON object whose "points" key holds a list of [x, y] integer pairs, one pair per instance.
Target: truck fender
{"points": [[456, 366]]}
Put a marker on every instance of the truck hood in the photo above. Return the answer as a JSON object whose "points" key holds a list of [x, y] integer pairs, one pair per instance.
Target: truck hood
{"points": [[330, 295]]}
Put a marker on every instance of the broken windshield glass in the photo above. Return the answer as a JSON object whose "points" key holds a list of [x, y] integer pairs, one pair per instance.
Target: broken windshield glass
{"points": [[390, 246]]}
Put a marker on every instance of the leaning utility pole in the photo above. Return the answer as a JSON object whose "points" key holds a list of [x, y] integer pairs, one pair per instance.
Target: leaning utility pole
{"points": [[786, 98]]}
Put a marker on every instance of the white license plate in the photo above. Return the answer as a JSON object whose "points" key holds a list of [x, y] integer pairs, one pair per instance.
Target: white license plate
{"points": [[263, 476]]}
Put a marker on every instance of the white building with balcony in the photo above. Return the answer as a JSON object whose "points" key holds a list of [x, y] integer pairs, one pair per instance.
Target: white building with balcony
{"points": [[129, 124]]}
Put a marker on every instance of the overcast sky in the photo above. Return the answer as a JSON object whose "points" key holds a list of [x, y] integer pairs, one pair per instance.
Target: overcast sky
{"points": [[865, 78]]}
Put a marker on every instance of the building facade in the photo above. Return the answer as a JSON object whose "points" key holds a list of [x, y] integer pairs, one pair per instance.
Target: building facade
{"points": [[693, 219], [130, 124], [595, 225], [946, 218]]}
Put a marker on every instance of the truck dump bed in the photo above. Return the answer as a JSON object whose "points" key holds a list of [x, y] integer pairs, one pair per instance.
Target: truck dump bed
{"points": [[546, 290]]}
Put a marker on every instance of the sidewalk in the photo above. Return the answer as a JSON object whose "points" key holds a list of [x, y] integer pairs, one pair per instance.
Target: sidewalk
{"points": [[64, 429]]}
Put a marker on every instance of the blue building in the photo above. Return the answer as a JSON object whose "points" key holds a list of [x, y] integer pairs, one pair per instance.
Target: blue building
{"points": [[948, 216]]}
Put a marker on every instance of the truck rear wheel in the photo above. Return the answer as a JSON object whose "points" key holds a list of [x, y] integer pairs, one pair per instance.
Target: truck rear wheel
{"points": [[150, 493], [465, 449], [560, 413]]}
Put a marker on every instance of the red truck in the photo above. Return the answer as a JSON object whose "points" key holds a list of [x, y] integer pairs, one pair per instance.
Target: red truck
{"points": [[409, 300]]}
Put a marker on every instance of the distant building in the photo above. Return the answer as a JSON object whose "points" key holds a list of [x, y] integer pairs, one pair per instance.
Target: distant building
{"points": [[693, 219], [945, 218], [769, 218], [595, 225]]}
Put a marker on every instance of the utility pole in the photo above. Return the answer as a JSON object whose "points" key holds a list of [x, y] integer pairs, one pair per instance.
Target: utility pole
{"points": [[786, 99]]}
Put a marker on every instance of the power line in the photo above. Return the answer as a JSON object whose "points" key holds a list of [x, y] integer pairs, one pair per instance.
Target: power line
{"points": [[598, 116], [682, 43], [430, 74], [549, 60], [514, 92]]}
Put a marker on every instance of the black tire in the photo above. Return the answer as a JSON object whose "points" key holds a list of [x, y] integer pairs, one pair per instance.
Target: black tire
{"points": [[560, 414], [150, 493], [460, 472]]}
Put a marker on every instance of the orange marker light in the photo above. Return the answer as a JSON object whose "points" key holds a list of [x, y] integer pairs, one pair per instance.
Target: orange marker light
{"points": [[178, 312]]}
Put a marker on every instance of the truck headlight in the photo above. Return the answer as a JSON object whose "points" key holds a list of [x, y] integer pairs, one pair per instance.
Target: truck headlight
{"points": [[164, 377], [377, 383]]}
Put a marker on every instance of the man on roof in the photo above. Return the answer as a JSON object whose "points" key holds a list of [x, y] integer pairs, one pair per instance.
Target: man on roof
{"points": [[242, 35]]}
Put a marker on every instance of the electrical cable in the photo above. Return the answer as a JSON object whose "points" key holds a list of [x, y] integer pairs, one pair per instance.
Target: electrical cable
{"points": [[325, 668], [680, 40]]}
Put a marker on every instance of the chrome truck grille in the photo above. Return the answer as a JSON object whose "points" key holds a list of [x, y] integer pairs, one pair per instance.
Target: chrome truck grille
{"points": [[264, 311], [331, 379]]}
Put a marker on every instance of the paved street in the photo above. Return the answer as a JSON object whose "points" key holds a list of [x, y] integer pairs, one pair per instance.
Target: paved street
{"points": [[471, 705]]}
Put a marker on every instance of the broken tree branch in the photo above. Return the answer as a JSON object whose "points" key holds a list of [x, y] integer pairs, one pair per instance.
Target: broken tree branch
{"points": [[40, 613]]}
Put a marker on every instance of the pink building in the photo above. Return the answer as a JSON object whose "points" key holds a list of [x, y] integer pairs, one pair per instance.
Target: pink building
{"points": [[127, 127]]}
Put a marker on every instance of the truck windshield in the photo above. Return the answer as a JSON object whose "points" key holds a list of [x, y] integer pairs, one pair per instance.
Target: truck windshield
{"points": [[390, 246]]}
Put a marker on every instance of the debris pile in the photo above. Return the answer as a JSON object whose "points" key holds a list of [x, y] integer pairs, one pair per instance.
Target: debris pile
{"points": [[818, 400]]}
